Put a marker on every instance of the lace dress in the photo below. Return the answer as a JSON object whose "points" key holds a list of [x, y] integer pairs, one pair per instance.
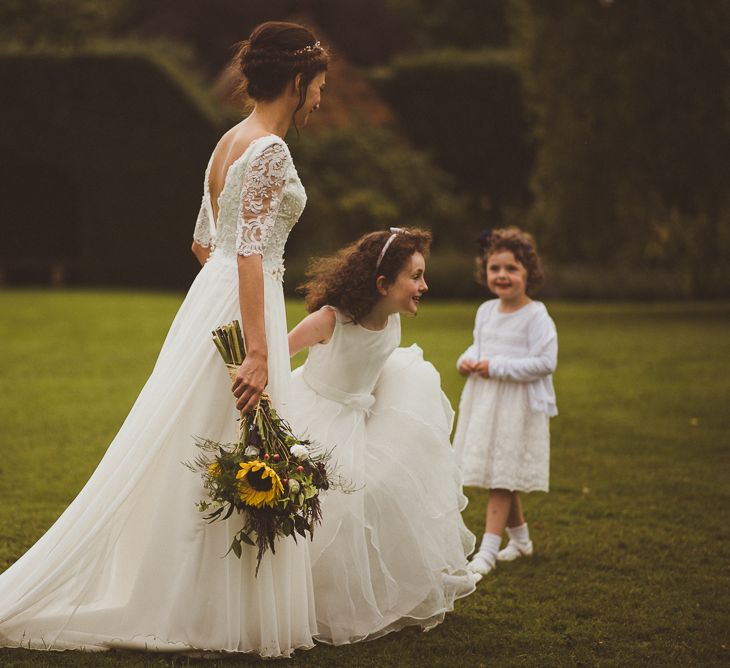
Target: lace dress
{"points": [[393, 553], [131, 563], [502, 438]]}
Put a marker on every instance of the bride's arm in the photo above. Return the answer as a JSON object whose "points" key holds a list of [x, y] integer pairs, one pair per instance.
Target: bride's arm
{"points": [[261, 194], [200, 252], [253, 374], [316, 328], [202, 235]]}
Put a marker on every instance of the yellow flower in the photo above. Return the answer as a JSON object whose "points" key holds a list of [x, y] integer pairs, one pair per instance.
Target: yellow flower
{"points": [[259, 484], [214, 468]]}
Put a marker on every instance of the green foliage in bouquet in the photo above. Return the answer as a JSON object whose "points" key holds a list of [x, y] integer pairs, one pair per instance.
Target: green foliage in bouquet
{"points": [[271, 477]]}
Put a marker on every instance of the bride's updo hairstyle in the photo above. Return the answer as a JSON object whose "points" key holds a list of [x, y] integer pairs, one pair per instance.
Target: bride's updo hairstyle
{"points": [[347, 279], [273, 55]]}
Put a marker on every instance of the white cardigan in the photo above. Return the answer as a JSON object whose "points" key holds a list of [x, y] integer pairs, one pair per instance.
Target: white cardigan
{"points": [[535, 367]]}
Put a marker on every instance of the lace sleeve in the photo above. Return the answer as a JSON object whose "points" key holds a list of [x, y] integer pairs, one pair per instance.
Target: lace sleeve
{"points": [[202, 233], [263, 187]]}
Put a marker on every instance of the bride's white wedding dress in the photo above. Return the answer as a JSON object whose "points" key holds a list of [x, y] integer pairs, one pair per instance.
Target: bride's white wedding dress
{"points": [[131, 563]]}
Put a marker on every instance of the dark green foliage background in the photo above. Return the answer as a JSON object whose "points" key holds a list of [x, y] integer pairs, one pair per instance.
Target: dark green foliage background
{"points": [[630, 105], [98, 175], [599, 125], [467, 108], [362, 179]]}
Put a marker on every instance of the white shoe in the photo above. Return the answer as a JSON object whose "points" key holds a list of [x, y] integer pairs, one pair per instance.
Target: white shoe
{"points": [[461, 585], [515, 550], [482, 563]]}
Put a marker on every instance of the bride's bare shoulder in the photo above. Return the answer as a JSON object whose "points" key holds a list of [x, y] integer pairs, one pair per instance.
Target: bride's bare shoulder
{"points": [[238, 139], [231, 146]]}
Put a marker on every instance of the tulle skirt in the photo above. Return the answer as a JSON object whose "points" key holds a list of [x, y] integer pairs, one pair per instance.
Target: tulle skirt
{"points": [[131, 563], [393, 553]]}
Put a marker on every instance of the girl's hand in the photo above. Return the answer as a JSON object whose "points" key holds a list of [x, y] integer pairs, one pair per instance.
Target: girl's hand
{"points": [[251, 379], [466, 367], [482, 368]]}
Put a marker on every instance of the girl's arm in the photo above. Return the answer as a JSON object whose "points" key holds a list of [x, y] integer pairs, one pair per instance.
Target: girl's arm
{"points": [[541, 361], [467, 361], [316, 328], [468, 357]]}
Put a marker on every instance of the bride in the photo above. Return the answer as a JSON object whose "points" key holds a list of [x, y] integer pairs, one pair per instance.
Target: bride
{"points": [[130, 563]]}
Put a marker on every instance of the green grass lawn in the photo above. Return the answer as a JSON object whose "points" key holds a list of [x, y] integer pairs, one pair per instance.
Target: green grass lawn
{"points": [[632, 563]]}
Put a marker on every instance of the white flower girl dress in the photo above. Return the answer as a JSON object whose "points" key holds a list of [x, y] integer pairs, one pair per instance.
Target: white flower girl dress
{"points": [[131, 563], [394, 552]]}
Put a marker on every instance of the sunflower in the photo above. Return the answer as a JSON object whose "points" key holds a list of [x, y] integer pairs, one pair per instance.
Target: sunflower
{"points": [[259, 484]]}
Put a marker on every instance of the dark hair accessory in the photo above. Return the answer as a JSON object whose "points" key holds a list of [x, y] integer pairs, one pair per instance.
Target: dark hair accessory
{"points": [[485, 236]]}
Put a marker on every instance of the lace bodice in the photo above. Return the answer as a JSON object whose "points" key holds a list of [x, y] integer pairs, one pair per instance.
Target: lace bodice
{"points": [[261, 200]]}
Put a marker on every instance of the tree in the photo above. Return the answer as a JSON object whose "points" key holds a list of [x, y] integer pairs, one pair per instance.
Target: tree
{"points": [[630, 101], [72, 22]]}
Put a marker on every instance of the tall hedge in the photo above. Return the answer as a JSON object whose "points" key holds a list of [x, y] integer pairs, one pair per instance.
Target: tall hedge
{"points": [[360, 179], [466, 108], [101, 177], [631, 108]]}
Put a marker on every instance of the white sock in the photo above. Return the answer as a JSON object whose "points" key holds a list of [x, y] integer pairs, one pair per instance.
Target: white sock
{"points": [[520, 534], [490, 545]]}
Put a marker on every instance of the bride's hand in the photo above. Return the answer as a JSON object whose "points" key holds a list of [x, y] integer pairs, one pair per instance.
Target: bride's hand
{"points": [[251, 379]]}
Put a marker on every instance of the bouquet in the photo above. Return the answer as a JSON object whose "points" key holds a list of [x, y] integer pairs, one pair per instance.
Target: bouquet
{"points": [[271, 477]]}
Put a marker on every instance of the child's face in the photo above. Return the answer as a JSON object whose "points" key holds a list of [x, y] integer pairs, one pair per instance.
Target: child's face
{"points": [[405, 292], [506, 276]]}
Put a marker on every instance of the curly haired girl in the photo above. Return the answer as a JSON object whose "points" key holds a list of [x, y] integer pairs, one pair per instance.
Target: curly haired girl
{"points": [[394, 552], [502, 438]]}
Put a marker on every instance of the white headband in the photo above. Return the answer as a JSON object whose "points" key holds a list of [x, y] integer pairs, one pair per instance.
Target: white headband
{"points": [[394, 233]]}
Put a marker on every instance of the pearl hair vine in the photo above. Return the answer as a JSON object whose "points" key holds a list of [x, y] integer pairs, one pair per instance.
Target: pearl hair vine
{"points": [[311, 48], [395, 231]]}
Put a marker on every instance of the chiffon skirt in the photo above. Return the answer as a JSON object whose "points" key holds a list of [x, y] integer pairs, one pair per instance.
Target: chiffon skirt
{"points": [[393, 552], [131, 563]]}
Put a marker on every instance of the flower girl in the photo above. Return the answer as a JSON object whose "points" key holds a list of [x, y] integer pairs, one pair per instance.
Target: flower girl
{"points": [[393, 552], [503, 434]]}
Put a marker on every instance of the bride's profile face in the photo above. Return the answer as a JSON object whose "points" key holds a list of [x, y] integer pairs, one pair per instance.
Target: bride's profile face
{"points": [[312, 101]]}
